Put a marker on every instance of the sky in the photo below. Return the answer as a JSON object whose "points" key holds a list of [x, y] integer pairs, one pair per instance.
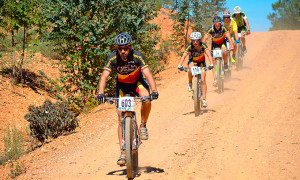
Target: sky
{"points": [[256, 12]]}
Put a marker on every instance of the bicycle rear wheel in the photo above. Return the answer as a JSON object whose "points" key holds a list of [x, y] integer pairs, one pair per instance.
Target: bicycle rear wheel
{"points": [[128, 146], [196, 95]]}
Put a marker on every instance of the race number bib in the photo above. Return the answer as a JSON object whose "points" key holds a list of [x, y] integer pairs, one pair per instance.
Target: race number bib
{"points": [[217, 53], [195, 70], [126, 103]]}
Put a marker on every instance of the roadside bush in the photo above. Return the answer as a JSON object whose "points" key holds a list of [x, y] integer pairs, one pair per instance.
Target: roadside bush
{"points": [[50, 120]]}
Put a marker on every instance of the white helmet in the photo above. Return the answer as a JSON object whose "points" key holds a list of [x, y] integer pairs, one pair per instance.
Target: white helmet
{"points": [[237, 9], [226, 13], [195, 36]]}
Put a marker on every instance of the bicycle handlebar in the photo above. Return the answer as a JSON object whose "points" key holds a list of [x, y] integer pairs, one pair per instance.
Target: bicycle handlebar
{"points": [[186, 69], [112, 100]]}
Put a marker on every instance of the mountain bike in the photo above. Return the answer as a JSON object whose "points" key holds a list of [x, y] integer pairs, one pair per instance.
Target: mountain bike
{"points": [[197, 93], [229, 63], [239, 54], [130, 132], [219, 67]]}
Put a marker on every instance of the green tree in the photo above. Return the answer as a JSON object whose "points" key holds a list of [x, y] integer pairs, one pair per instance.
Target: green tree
{"points": [[14, 16], [286, 15], [84, 32]]}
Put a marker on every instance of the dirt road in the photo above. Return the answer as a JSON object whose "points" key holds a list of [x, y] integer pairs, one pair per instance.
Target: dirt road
{"points": [[251, 131]]}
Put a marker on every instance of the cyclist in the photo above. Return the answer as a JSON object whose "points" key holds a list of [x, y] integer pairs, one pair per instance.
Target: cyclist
{"points": [[243, 24], [218, 33], [196, 51], [130, 66], [232, 28]]}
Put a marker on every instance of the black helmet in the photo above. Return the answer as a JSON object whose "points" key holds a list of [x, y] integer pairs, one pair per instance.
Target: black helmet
{"points": [[217, 19], [123, 39]]}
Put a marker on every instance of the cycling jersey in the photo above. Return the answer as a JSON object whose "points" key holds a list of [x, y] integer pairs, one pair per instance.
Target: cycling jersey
{"points": [[129, 71], [195, 55], [218, 36], [240, 20], [231, 26]]}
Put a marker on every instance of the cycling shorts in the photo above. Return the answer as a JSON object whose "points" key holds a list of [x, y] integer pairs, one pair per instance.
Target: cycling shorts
{"points": [[200, 64], [243, 28], [213, 46], [131, 88]]}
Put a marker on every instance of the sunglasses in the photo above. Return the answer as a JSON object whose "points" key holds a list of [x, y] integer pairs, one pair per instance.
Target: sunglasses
{"points": [[120, 48], [226, 17], [196, 40]]}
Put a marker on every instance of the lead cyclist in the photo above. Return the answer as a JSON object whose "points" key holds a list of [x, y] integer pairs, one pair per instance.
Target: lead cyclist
{"points": [[243, 24]]}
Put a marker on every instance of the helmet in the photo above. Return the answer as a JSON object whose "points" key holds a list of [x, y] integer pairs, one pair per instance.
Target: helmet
{"points": [[226, 13], [237, 9], [195, 35], [123, 39], [217, 19]]}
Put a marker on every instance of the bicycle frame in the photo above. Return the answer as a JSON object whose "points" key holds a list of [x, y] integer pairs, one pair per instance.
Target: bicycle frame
{"points": [[130, 134], [219, 67], [197, 93]]}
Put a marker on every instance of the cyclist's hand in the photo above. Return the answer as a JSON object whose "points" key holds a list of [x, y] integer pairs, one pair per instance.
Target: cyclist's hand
{"points": [[237, 41], [210, 67], [180, 67], [154, 95], [248, 32], [101, 98]]}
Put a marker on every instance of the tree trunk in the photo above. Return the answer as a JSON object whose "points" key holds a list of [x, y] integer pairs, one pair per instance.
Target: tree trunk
{"points": [[13, 57], [23, 54]]}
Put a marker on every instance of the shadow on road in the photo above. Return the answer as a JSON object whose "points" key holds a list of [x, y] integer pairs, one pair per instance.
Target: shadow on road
{"points": [[146, 169], [203, 111]]}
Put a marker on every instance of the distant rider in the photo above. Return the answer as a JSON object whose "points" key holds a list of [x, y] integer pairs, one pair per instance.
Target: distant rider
{"points": [[218, 33], [196, 51], [243, 24], [233, 30]]}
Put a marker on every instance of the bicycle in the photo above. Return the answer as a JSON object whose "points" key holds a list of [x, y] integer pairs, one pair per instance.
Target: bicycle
{"points": [[239, 54], [197, 93], [229, 63], [219, 67], [130, 132]]}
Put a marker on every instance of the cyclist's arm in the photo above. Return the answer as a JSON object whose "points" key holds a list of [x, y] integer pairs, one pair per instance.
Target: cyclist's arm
{"points": [[208, 53], [206, 36], [102, 82], [247, 23], [183, 57], [235, 29], [147, 73], [229, 39]]}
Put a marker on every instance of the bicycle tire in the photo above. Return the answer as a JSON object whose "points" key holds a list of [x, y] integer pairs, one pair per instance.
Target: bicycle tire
{"points": [[219, 76], [196, 96], [238, 57], [223, 74], [135, 156], [128, 146]]}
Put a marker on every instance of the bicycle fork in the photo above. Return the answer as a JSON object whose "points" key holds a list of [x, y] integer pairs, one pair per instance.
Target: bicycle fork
{"points": [[135, 138]]}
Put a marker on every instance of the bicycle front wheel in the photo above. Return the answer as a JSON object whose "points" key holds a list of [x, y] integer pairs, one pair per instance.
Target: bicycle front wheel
{"points": [[196, 95], [219, 79], [128, 146]]}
